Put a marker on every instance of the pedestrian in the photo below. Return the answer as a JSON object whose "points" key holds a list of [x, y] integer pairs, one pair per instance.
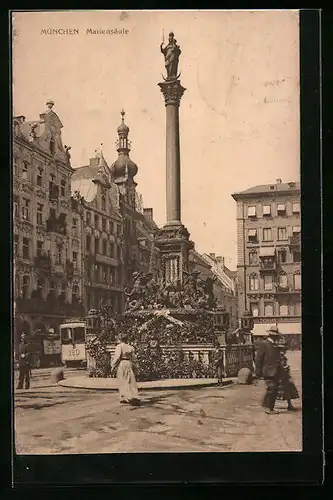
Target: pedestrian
{"points": [[268, 366], [24, 363], [218, 362], [123, 364], [287, 390]]}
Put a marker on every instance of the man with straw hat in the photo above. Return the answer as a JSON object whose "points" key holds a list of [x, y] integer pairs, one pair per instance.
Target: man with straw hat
{"points": [[268, 366]]}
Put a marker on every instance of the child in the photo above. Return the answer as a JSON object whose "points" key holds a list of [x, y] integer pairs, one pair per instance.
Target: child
{"points": [[287, 389]]}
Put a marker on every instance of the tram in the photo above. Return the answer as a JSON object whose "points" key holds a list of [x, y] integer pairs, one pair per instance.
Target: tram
{"points": [[73, 343]]}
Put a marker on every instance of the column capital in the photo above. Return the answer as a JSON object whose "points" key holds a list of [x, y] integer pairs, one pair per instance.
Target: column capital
{"points": [[172, 92]]}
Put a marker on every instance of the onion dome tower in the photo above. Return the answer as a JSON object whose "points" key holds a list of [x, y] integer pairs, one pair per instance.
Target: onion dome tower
{"points": [[123, 170]]}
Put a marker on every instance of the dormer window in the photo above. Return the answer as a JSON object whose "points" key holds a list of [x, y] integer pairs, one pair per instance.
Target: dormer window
{"points": [[266, 210], [251, 211], [281, 209]]}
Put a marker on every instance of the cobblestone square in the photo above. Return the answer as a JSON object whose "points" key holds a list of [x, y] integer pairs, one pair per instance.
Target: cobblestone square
{"points": [[50, 419]]}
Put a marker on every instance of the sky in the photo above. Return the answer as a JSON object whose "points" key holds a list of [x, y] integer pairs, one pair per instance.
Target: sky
{"points": [[239, 116]]}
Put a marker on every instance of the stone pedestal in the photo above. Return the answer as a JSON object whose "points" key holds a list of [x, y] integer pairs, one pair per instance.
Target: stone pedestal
{"points": [[174, 244]]}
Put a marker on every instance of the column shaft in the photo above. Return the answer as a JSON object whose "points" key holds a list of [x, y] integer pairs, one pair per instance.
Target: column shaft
{"points": [[172, 164]]}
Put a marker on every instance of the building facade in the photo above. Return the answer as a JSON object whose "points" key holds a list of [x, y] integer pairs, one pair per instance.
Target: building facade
{"points": [[102, 230], [269, 256], [47, 255]]}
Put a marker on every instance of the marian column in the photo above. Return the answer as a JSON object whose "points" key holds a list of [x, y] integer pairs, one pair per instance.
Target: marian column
{"points": [[173, 239]]}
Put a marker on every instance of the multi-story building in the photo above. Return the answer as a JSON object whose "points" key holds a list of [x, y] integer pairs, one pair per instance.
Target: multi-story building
{"points": [[225, 287], [46, 233], [102, 228], [118, 233], [140, 253], [269, 256]]}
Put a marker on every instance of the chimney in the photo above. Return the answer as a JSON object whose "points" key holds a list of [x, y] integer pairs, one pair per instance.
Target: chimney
{"points": [[148, 213], [278, 181], [94, 162]]}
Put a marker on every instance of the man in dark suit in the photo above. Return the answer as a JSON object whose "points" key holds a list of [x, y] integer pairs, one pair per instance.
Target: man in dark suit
{"points": [[268, 366], [24, 363]]}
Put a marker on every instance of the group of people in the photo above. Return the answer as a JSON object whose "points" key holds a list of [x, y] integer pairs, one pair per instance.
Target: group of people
{"points": [[272, 365]]}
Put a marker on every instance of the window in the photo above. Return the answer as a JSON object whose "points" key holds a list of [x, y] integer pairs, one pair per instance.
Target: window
{"points": [[39, 213], [298, 308], [254, 306], [75, 259], [62, 187], [88, 242], [251, 211], [253, 282], [252, 258], [103, 202], [297, 281], [268, 282], [96, 221], [74, 227], [281, 209], [39, 176], [88, 218], [118, 252], [112, 253], [96, 245], [297, 257], [75, 293], [25, 209], [282, 233], [25, 286], [296, 207], [267, 234], [113, 275], [16, 205], [104, 247], [103, 224], [119, 229], [59, 254], [16, 244], [266, 210], [283, 281], [104, 274], [296, 230], [282, 256], [268, 309], [26, 248], [283, 310], [39, 248], [15, 166], [252, 236], [40, 286], [25, 171]]}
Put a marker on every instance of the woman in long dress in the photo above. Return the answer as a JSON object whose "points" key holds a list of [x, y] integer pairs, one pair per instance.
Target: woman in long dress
{"points": [[123, 362]]}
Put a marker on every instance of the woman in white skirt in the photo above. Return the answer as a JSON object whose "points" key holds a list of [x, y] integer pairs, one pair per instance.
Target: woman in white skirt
{"points": [[123, 362]]}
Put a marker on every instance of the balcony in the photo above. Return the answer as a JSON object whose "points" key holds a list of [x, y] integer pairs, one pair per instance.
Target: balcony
{"points": [[43, 261], [295, 242], [281, 289], [267, 265]]}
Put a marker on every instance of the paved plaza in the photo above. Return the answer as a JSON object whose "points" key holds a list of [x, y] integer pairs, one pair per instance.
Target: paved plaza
{"points": [[51, 419]]}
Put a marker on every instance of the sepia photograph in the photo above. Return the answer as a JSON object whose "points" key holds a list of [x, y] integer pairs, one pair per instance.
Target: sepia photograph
{"points": [[156, 231]]}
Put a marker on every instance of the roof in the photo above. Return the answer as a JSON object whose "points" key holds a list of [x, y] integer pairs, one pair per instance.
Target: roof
{"points": [[269, 188], [86, 188]]}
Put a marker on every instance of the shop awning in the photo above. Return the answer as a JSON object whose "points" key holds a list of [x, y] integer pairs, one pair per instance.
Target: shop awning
{"points": [[260, 329], [267, 252]]}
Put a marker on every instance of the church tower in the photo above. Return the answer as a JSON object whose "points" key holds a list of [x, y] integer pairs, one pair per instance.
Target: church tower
{"points": [[123, 170]]}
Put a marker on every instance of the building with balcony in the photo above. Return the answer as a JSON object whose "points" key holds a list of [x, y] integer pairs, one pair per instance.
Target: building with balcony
{"points": [[46, 233], [102, 230], [269, 256]]}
